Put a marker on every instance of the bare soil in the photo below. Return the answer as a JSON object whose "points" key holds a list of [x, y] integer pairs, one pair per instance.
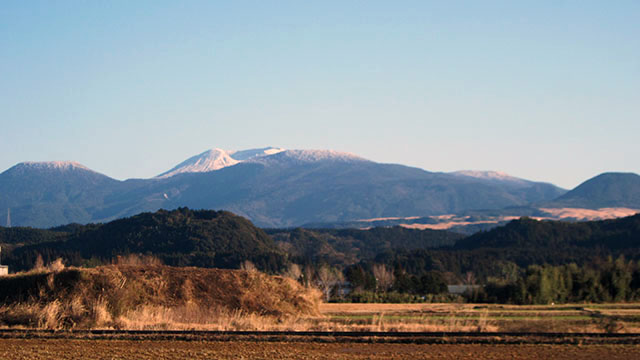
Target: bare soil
{"points": [[61, 349]]}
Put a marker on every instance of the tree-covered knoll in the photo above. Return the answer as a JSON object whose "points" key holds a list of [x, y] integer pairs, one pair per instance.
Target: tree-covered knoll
{"points": [[180, 237]]}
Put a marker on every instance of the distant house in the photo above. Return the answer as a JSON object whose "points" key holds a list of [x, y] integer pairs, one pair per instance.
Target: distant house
{"points": [[4, 269], [461, 289]]}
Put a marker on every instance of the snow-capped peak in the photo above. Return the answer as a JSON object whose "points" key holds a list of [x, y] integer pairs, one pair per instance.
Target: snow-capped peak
{"points": [[209, 160], [217, 159]]}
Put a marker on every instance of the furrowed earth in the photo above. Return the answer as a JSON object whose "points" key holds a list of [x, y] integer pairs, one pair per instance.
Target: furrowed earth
{"points": [[18, 349]]}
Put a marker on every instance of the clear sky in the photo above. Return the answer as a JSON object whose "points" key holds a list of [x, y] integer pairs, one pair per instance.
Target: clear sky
{"points": [[545, 90]]}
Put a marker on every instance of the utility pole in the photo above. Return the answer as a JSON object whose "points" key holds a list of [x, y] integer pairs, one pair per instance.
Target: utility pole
{"points": [[8, 217]]}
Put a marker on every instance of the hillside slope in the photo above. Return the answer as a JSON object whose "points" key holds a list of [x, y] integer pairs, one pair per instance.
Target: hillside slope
{"points": [[602, 191]]}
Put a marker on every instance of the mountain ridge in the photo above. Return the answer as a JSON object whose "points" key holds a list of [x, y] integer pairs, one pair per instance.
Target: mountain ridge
{"points": [[271, 186]]}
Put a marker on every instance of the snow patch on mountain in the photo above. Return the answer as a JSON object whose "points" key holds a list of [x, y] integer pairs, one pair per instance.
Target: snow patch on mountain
{"points": [[309, 156], [209, 160], [242, 155], [489, 175], [53, 165]]}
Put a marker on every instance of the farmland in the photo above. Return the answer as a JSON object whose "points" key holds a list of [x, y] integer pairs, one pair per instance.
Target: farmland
{"points": [[122, 349], [569, 318], [443, 331]]}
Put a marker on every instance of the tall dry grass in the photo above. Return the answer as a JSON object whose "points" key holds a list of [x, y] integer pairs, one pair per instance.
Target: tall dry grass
{"points": [[152, 297]]}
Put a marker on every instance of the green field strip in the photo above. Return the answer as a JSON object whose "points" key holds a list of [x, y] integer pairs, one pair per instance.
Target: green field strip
{"points": [[443, 317]]}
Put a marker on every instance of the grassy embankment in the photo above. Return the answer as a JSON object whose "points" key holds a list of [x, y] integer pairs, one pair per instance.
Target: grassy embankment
{"points": [[152, 297]]}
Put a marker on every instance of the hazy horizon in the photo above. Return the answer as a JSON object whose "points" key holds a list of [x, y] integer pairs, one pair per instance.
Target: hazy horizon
{"points": [[548, 91]]}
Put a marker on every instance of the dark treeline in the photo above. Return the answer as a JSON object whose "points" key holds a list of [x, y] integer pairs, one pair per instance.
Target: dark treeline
{"points": [[18, 236], [344, 247], [505, 262], [603, 281]]}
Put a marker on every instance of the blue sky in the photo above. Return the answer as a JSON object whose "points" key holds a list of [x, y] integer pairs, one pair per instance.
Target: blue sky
{"points": [[545, 90]]}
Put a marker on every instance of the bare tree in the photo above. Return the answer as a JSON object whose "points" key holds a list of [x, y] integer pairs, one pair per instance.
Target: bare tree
{"points": [[307, 275], [248, 266], [327, 278], [294, 272], [39, 264], [384, 277], [469, 278]]}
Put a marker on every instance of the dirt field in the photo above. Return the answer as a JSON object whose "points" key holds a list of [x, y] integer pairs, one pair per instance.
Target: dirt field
{"points": [[40, 349]]}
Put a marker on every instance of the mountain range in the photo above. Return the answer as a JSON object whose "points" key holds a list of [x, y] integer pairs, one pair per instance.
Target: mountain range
{"points": [[274, 187]]}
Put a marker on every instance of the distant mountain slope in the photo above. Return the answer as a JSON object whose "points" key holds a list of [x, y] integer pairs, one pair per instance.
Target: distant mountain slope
{"points": [[491, 176], [42, 194], [271, 186], [530, 191], [180, 237], [296, 187], [604, 190]]}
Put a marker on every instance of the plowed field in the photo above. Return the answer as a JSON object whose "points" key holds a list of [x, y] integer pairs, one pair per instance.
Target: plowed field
{"points": [[155, 350]]}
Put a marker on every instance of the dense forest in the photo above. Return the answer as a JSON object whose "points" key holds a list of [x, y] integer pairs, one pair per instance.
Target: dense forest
{"points": [[525, 261], [180, 237], [343, 247]]}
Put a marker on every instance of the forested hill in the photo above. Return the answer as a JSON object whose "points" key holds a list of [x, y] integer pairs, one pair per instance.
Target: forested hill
{"points": [[507, 250], [529, 233], [348, 246], [221, 239], [28, 236], [205, 238], [180, 237]]}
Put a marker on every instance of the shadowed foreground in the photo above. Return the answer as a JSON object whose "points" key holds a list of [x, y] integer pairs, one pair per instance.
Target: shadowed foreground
{"points": [[120, 349]]}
